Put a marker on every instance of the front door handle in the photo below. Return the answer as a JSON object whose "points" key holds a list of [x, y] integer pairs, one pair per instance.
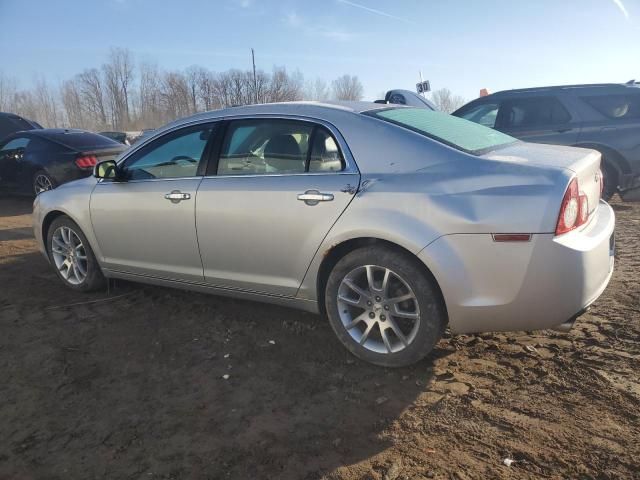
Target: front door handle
{"points": [[312, 197], [177, 196]]}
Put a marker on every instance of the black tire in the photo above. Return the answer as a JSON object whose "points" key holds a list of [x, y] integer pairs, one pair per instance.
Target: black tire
{"points": [[37, 182], [431, 311], [610, 180], [94, 279]]}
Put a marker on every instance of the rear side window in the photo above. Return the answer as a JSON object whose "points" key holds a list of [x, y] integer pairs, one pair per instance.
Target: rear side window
{"points": [[453, 131], [266, 146], [533, 112], [20, 142], [618, 107]]}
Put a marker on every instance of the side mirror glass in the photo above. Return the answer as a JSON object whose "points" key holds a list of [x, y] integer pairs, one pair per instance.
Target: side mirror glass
{"points": [[106, 169]]}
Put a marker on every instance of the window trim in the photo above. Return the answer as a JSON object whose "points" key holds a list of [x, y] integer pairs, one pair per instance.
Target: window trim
{"points": [[350, 166]]}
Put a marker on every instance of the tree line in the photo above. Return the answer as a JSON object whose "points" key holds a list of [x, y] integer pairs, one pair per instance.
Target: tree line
{"points": [[125, 95]]}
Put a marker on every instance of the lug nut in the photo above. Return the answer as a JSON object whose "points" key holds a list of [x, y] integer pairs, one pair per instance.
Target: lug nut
{"points": [[372, 315], [369, 302], [383, 318], [386, 307], [377, 299]]}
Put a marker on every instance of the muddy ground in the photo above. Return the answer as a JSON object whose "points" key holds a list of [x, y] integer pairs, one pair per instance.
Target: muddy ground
{"points": [[131, 386]]}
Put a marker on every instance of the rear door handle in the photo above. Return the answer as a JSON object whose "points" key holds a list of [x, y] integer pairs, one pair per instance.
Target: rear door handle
{"points": [[177, 196], [312, 197]]}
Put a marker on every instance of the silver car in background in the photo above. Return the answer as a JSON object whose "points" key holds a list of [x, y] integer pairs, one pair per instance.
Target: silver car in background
{"points": [[394, 222]]}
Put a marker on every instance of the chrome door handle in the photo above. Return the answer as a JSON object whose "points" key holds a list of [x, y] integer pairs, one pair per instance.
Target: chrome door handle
{"points": [[312, 197], [177, 196]]}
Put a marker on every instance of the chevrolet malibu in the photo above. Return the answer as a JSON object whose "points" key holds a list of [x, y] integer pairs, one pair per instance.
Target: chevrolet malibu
{"points": [[393, 222]]}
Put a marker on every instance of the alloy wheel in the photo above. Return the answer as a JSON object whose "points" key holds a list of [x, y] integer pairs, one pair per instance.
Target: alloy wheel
{"points": [[69, 255], [378, 309], [42, 183]]}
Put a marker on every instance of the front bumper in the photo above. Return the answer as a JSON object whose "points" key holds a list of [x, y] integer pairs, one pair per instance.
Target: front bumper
{"points": [[493, 286]]}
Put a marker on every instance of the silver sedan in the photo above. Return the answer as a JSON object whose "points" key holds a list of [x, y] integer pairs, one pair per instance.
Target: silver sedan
{"points": [[393, 222]]}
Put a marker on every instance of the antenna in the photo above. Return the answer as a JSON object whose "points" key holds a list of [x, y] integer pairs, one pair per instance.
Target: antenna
{"points": [[255, 81]]}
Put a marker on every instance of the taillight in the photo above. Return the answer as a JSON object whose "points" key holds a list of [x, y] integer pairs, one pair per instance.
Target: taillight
{"points": [[574, 210], [86, 161]]}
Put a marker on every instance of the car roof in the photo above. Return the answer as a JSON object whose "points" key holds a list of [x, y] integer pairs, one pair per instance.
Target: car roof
{"points": [[587, 86], [319, 110]]}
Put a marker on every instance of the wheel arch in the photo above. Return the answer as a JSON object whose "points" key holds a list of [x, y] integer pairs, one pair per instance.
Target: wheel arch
{"points": [[338, 251], [609, 155], [48, 220]]}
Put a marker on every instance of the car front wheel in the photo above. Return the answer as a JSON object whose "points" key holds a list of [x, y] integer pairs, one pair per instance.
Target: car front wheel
{"points": [[72, 256], [383, 307]]}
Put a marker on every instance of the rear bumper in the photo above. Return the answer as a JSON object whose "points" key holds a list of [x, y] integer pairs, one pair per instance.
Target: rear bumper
{"points": [[543, 283]]}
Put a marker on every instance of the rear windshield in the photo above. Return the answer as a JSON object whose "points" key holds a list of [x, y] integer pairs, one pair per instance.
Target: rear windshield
{"points": [[83, 141], [453, 131]]}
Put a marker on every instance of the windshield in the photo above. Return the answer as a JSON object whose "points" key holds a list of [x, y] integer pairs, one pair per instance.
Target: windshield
{"points": [[453, 131]]}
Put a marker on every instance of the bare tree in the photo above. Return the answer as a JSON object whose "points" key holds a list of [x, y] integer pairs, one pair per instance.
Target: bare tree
{"points": [[93, 98], [114, 97], [347, 87], [71, 99], [47, 111], [175, 95], [317, 90], [150, 99], [285, 87], [446, 101], [118, 76], [8, 90]]}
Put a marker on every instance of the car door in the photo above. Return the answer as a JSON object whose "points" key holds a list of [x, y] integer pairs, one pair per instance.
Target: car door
{"points": [[145, 220], [11, 156], [275, 191], [538, 119]]}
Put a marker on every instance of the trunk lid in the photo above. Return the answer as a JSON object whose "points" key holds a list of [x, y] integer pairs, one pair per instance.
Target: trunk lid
{"points": [[583, 162]]}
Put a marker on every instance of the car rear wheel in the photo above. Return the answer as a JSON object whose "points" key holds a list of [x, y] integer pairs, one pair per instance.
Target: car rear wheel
{"points": [[383, 307], [72, 257], [42, 182]]}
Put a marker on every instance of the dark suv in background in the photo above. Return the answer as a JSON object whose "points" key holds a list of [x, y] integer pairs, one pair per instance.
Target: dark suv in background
{"points": [[604, 117]]}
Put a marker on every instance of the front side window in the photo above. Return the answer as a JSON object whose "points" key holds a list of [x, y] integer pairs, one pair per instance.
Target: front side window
{"points": [[484, 114], [617, 107], [263, 147], [533, 112], [453, 131], [174, 155]]}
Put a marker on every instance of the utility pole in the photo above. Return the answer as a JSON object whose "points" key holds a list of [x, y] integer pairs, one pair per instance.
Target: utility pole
{"points": [[255, 80]]}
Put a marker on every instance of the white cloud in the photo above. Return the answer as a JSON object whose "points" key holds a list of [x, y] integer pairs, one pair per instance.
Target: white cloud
{"points": [[293, 20], [380, 12], [622, 8]]}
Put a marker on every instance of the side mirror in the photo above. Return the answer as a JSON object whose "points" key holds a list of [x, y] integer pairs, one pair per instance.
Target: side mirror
{"points": [[106, 169]]}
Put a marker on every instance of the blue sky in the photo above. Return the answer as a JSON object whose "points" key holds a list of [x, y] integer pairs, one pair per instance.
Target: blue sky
{"points": [[461, 44]]}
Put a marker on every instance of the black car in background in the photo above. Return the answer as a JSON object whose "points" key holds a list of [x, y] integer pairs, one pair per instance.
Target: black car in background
{"points": [[604, 117], [10, 123], [32, 161]]}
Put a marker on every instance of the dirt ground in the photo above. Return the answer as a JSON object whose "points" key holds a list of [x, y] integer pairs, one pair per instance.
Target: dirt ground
{"points": [[131, 386]]}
